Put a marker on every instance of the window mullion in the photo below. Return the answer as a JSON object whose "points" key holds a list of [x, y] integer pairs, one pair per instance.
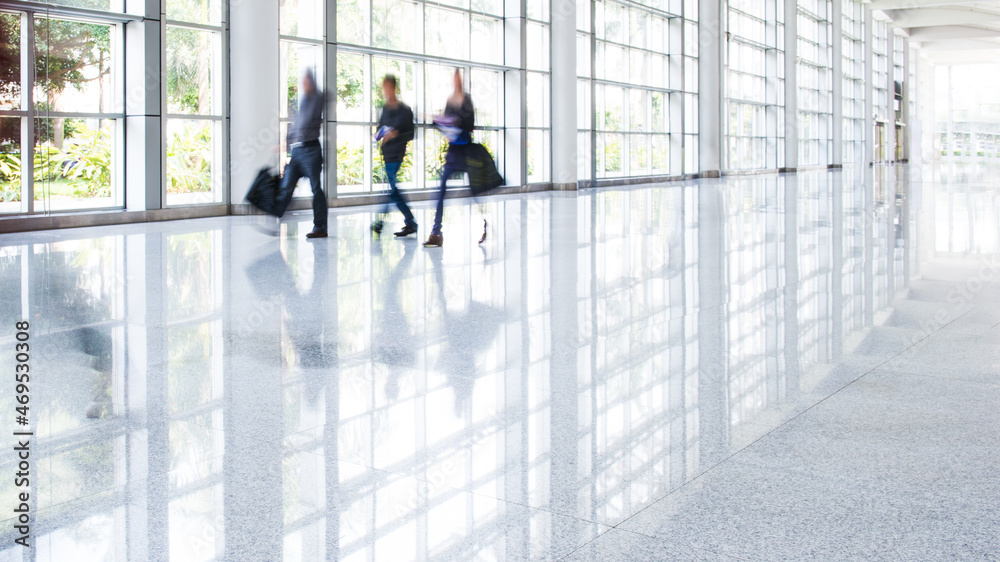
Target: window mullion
{"points": [[28, 105]]}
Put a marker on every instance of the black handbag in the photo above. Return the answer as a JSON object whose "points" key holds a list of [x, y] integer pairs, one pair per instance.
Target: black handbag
{"points": [[264, 190], [483, 174]]}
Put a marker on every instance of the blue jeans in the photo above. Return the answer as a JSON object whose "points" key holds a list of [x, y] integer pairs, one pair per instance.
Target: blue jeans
{"points": [[307, 161], [445, 174], [391, 171]]}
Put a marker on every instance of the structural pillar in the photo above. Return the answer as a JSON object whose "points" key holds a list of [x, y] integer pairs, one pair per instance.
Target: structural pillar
{"points": [[254, 82], [791, 88], [565, 155], [710, 105]]}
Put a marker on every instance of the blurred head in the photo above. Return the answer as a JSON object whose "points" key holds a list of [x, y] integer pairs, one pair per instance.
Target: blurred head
{"points": [[389, 87], [308, 82], [458, 81]]}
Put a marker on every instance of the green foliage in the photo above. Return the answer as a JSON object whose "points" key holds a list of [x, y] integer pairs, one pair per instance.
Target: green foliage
{"points": [[65, 48], [189, 159], [188, 66], [83, 164]]}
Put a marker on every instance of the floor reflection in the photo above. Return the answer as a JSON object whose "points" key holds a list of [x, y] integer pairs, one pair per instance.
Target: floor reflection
{"points": [[207, 393]]}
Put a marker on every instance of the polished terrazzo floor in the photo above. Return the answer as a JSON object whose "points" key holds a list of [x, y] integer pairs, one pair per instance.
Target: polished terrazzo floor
{"points": [[759, 367]]}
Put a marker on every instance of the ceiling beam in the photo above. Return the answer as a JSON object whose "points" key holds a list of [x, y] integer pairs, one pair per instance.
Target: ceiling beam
{"points": [[932, 17], [959, 45], [912, 4], [949, 32]]}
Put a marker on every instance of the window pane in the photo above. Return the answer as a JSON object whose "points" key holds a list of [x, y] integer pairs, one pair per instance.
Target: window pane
{"points": [[489, 6], [538, 100], [301, 18], [190, 80], [538, 46], [10, 62], [659, 154], [350, 87], [352, 21], [538, 156], [74, 72], [351, 140], [75, 164], [10, 164], [446, 33], [296, 58], [488, 45], [206, 12], [486, 94], [394, 25], [639, 155], [191, 157]]}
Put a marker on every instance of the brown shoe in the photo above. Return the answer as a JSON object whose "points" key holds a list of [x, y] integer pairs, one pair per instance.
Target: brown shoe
{"points": [[434, 241], [316, 234], [407, 230]]}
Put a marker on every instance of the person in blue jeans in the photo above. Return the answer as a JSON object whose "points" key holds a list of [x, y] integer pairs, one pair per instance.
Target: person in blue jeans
{"points": [[460, 117], [395, 130], [307, 155]]}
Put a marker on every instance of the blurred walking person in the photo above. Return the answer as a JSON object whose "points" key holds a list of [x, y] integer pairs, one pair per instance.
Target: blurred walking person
{"points": [[456, 124], [307, 155], [395, 130]]}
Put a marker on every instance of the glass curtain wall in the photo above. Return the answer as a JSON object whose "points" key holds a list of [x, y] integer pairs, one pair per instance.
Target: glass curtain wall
{"points": [[898, 77], [422, 43], [815, 81], [854, 87], [755, 91], [61, 109], [539, 87], [689, 20], [880, 87], [195, 131], [639, 84]]}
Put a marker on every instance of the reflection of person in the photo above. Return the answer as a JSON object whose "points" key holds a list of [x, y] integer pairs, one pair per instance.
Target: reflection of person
{"points": [[307, 155], [394, 344], [395, 130], [469, 335], [459, 115], [306, 325]]}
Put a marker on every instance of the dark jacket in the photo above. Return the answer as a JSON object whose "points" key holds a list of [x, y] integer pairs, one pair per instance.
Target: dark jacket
{"points": [[455, 158], [309, 119], [466, 115], [400, 118]]}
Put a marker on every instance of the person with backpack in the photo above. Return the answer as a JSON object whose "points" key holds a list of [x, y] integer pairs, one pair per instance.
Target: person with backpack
{"points": [[456, 124]]}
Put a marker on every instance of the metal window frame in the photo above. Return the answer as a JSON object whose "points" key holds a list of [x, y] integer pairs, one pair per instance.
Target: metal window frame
{"points": [[27, 113], [219, 64]]}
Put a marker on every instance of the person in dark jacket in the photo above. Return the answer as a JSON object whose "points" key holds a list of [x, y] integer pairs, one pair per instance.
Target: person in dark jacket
{"points": [[307, 155], [395, 130], [459, 116]]}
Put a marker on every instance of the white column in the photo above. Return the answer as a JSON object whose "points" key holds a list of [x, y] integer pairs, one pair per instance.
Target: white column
{"points": [[869, 148], [710, 95], [791, 88], [143, 107], [254, 77], [563, 92], [837, 64]]}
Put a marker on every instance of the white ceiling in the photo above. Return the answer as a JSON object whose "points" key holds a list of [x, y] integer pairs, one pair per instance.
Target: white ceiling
{"points": [[947, 29]]}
